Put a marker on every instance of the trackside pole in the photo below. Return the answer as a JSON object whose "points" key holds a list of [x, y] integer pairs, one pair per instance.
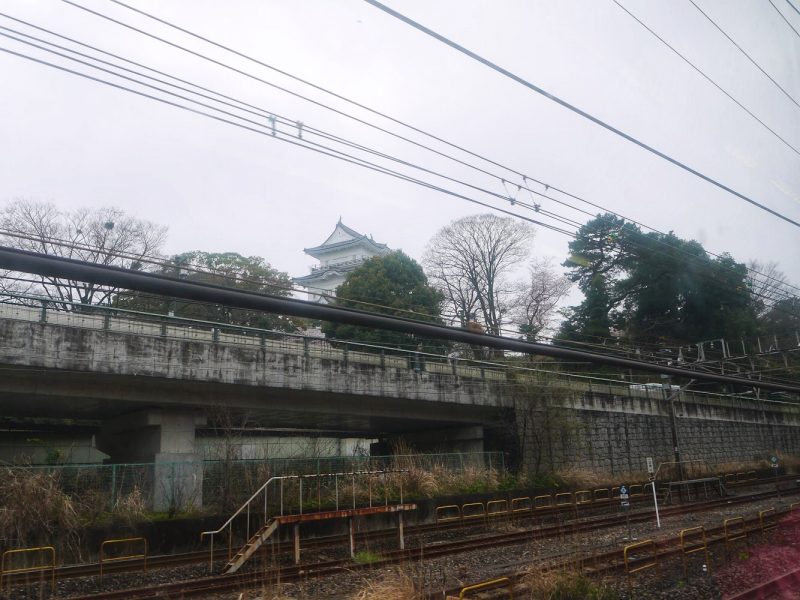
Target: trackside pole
{"points": [[655, 503], [400, 529]]}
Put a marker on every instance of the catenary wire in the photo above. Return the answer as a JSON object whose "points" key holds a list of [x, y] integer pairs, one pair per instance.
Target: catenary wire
{"points": [[354, 103], [706, 77], [261, 112], [326, 151], [777, 10], [578, 111], [553, 216], [750, 58], [310, 100], [332, 138]]}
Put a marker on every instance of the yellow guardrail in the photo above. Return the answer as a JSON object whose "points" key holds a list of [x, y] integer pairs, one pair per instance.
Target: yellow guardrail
{"points": [[752, 476], [694, 540], [34, 569], [523, 504], [492, 508], [730, 478], [132, 540], [734, 530], [559, 499], [450, 507], [538, 502], [615, 492], [476, 515], [583, 497], [602, 494], [767, 521], [500, 581], [653, 557], [636, 489], [741, 477]]}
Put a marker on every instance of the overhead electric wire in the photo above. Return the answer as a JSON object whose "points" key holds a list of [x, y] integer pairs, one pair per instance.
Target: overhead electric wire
{"points": [[622, 349], [307, 145], [354, 103], [707, 78], [576, 110], [31, 262], [334, 138], [95, 67], [750, 58], [307, 142], [261, 112], [307, 99], [794, 8], [777, 10], [625, 348]]}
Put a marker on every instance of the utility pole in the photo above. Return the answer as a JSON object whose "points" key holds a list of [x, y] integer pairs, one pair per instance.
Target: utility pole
{"points": [[670, 396]]}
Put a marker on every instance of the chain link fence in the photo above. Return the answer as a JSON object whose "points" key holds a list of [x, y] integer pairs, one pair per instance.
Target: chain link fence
{"points": [[126, 489]]}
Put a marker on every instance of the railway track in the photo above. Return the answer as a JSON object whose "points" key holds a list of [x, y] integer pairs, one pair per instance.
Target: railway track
{"points": [[190, 558], [597, 563], [786, 586]]}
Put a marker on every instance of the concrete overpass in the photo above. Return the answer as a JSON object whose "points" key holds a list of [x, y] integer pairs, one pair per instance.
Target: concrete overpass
{"points": [[150, 382]]}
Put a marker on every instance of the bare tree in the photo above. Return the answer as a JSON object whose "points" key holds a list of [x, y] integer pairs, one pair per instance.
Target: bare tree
{"points": [[535, 305], [470, 261], [768, 284], [105, 236]]}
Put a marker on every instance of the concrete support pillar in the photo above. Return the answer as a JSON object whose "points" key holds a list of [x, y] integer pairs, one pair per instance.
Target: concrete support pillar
{"points": [[165, 438]]}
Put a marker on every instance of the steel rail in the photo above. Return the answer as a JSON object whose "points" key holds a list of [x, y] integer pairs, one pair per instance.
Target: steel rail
{"points": [[65, 268], [239, 581]]}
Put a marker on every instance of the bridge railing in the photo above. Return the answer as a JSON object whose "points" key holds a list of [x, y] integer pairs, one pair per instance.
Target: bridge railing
{"points": [[342, 351]]}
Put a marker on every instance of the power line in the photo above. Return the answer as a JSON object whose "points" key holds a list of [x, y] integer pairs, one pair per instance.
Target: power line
{"points": [[357, 104], [750, 58], [577, 110], [287, 121], [265, 113], [321, 149], [794, 8], [306, 98], [31, 262], [360, 161], [784, 17], [707, 78]]}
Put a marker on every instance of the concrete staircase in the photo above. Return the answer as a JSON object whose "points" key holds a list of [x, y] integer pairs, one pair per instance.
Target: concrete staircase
{"points": [[253, 544]]}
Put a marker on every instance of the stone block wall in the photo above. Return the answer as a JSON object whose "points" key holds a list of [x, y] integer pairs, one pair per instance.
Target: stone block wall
{"points": [[615, 434]]}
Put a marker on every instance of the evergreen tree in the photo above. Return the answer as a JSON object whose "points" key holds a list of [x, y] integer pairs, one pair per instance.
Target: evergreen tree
{"points": [[394, 284]]}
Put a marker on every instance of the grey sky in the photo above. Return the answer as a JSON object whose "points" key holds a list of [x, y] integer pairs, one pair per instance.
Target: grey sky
{"points": [[78, 143]]}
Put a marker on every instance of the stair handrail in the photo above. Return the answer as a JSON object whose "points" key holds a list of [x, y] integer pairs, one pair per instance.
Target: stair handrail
{"points": [[228, 524]]}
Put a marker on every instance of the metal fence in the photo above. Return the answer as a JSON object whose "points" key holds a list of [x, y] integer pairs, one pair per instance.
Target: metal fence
{"points": [[128, 488]]}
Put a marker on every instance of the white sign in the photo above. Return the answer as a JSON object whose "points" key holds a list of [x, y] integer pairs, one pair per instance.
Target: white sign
{"points": [[650, 468], [623, 495]]}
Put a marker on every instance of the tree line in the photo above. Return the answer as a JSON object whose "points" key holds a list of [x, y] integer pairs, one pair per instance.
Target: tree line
{"points": [[477, 272]]}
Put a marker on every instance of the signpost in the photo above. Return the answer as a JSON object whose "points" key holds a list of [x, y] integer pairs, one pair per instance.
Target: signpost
{"points": [[651, 469], [773, 461], [625, 505]]}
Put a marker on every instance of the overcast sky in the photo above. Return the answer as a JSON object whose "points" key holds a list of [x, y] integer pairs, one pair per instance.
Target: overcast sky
{"points": [[218, 188]]}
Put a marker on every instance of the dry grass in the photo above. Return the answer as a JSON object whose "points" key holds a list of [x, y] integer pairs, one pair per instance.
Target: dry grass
{"points": [[395, 584], [131, 508], [36, 509], [568, 584]]}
